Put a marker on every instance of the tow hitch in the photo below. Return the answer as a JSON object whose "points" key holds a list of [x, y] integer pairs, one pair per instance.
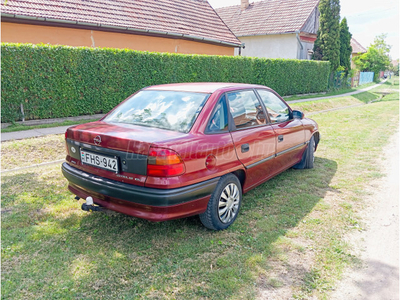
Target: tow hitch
{"points": [[89, 205]]}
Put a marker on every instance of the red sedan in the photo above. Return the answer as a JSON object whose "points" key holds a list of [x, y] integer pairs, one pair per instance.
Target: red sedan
{"points": [[177, 150]]}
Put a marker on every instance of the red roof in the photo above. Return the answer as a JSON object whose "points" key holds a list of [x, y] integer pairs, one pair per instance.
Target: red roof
{"points": [[357, 47], [181, 18], [268, 17]]}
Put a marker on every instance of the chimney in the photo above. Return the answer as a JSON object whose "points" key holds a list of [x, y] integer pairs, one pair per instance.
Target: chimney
{"points": [[245, 4]]}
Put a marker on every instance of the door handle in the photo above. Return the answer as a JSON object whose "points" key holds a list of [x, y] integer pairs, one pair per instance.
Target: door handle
{"points": [[245, 148], [280, 138]]}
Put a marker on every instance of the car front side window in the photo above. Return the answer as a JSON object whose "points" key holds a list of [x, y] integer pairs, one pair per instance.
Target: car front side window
{"points": [[245, 109], [277, 110]]}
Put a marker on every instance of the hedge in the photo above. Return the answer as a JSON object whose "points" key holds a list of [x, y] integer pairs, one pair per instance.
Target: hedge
{"points": [[61, 81]]}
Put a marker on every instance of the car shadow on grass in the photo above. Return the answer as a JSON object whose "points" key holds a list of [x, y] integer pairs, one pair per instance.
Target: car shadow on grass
{"points": [[52, 247]]}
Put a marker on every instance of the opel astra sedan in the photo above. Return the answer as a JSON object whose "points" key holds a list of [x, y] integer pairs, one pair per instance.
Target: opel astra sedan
{"points": [[177, 150]]}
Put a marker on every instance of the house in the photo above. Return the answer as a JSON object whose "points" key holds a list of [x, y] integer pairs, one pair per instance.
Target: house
{"points": [[358, 49], [274, 28], [178, 26]]}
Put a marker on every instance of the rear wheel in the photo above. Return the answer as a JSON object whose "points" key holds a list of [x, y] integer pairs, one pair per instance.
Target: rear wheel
{"points": [[307, 161], [224, 204]]}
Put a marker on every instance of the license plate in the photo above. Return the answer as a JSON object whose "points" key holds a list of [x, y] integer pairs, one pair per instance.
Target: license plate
{"points": [[100, 161]]}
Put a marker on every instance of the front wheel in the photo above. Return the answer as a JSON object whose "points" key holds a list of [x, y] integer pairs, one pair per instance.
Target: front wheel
{"points": [[224, 204], [307, 161]]}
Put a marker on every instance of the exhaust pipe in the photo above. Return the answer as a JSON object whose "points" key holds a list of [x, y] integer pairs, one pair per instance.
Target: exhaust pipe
{"points": [[89, 205]]}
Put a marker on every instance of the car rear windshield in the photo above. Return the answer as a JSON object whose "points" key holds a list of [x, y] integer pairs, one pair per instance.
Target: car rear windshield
{"points": [[171, 110]]}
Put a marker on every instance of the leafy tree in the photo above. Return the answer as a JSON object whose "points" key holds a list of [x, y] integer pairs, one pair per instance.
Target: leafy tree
{"points": [[345, 47], [327, 45], [376, 58], [394, 67]]}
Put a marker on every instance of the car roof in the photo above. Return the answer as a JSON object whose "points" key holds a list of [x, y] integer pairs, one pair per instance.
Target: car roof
{"points": [[200, 87]]}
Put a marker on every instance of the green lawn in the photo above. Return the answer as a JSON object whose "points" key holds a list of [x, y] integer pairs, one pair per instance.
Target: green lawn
{"points": [[289, 236], [331, 93], [23, 153]]}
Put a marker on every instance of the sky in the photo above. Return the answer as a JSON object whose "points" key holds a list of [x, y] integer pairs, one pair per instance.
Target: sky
{"points": [[366, 19]]}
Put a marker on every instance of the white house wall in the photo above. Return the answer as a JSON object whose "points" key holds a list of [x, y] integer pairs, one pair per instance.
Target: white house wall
{"points": [[270, 46]]}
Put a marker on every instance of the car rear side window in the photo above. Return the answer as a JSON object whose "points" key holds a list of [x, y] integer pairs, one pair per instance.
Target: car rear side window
{"points": [[171, 110], [219, 118], [245, 109], [277, 110]]}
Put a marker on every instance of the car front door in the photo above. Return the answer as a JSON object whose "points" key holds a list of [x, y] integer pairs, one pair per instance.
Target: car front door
{"points": [[289, 132], [253, 138]]}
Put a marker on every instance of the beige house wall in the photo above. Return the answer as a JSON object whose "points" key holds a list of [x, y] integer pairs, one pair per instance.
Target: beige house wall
{"points": [[35, 34]]}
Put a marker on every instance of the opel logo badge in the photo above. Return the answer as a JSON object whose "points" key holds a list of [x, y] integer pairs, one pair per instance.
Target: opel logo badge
{"points": [[97, 140]]}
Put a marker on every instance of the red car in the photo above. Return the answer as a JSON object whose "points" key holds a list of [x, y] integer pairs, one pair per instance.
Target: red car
{"points": [[177, 150]]}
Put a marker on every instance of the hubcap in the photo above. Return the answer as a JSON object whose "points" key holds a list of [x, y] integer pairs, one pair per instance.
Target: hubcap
{"points": [[228, 203]]}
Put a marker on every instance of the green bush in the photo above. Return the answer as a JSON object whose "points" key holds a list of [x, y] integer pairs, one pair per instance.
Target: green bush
{"points": [[61, 81]]}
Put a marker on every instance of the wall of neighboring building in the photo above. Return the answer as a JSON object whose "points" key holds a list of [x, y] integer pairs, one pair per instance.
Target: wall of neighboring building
{"points": [[270, 46], [35, 34], [305, 52]]}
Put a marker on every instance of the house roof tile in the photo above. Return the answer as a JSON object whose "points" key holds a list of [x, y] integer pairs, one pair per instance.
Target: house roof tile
{"points": [[357, 47], [268, 17], [191, 18]]}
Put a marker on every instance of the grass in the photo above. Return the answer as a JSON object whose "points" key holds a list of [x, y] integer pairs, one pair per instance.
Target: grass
{"points": [[327, 104], [288, 238], [23, 153], [330, 93], [21, 127], [390, 86]]}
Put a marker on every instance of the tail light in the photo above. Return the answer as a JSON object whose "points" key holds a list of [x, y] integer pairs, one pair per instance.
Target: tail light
{"points": [[66, 145], [164, 163]]}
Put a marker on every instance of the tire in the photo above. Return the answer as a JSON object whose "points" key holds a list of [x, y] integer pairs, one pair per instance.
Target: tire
{"points": [[307, 161], [224, 204]]}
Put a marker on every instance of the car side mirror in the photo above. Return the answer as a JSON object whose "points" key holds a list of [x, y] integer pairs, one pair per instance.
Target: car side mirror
{"points": [[298, 114]]}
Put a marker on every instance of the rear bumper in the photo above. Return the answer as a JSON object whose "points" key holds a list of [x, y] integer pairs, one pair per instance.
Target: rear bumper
{"points": [[148, 203]]}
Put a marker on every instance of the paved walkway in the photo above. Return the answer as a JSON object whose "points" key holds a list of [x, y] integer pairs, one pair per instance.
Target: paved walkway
{"points": [[18, 135], [337, 96], [24, 134]]}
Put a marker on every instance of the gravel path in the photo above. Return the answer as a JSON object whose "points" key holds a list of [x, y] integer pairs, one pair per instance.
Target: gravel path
{"points": [[378, 274]]}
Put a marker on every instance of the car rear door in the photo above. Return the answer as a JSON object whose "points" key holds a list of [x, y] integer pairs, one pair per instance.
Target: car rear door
{"points": [[289, 132], [253, 138]]}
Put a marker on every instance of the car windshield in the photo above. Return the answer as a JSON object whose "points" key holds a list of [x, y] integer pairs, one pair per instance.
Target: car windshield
{"points": [[171, 110]]}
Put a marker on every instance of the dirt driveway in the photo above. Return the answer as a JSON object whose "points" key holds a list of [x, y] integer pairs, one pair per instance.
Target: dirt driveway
{"points": [[378, 246]]}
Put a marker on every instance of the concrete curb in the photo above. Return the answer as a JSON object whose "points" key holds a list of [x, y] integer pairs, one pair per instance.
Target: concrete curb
{"points": [[25, 134], [56, 120]]}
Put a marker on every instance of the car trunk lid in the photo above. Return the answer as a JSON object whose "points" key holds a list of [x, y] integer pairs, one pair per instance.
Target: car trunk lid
{"points": [[124, 145]]}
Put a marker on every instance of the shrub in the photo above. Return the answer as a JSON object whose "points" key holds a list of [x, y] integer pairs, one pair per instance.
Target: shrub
{"points": [[61, 81]]}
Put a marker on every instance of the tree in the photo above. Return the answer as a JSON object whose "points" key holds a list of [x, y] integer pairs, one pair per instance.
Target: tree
{"points": [[345, 46], [376, 58], [327, 45], [394, 67]]}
